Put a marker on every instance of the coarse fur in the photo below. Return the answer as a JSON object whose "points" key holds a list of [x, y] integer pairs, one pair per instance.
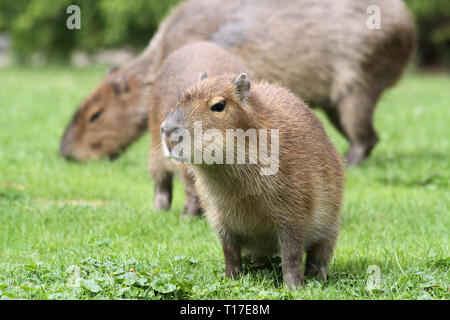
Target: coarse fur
{"points": [[293, 211], [322, 50], [180, 70]]}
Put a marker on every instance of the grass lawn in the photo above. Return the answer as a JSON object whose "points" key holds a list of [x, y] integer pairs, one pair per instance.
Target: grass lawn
{"points": [[71, 231]]}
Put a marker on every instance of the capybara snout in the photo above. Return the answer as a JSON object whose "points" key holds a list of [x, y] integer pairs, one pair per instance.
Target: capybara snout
{"points": [[67, 141], [171, 124]]}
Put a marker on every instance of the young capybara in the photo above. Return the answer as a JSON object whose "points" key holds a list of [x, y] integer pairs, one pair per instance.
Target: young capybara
{"points": [[180, 70], [288, 211], [322, 50]]}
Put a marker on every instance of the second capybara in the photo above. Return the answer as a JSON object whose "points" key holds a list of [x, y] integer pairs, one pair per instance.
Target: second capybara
{"points": [[321, 50], [287, 211], [180, 70]]}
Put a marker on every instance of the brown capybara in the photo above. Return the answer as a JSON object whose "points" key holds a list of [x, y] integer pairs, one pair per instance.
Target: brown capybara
{"points": [[181, 69], [321, 50], [292, 209]]}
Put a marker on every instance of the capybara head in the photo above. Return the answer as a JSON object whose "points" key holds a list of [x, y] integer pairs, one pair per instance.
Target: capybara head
{"points": [[218, 103], [107, 122]]}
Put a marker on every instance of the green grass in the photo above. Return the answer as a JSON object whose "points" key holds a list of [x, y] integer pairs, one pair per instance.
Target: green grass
{"points": [[76, 231]]}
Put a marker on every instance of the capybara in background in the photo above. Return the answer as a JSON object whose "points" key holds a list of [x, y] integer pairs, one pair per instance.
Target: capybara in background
{"points": [[322, 50], [292, 209], [180, 70]]}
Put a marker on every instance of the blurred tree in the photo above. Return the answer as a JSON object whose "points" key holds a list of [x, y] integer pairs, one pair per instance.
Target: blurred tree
{"points": [[8, 11], [433, 30], [40, 25]]}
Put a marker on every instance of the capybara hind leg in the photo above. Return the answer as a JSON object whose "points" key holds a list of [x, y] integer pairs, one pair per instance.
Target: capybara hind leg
{"points": [[192, 202], [232, 254], [291, 258], [162, 178], [192, 206], [333, 115], [355, 112], [317, 258], [163, 191]]}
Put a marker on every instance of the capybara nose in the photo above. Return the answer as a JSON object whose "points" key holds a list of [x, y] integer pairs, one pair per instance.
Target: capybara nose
{"points": [[65, 149], [173, 122], [64, 152], [168, 126]]}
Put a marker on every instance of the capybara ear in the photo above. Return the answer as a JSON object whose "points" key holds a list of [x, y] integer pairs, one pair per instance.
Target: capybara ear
{"points": [[111, 70], [119, 84], [203, 75], [242, 85]]}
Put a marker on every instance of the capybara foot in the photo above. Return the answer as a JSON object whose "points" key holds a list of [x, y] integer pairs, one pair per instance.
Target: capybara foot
{"points": [[162, 201], [356, 155], [292, 281], [192, 207], [360, 151], [316, 272]]}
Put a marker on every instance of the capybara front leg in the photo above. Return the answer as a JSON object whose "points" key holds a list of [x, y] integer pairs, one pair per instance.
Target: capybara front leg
{"points": [[355, 117], [232, 253], [317, 258], [291, 242], [192, 202]]}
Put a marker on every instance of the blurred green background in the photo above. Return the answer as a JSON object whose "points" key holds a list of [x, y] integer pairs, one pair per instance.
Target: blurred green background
{"points": [[35, 26], [40, 25]]}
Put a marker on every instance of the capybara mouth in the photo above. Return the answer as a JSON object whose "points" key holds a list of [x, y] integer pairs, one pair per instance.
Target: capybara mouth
{"points": [[167, 147], [70, 158], [113, 156]]}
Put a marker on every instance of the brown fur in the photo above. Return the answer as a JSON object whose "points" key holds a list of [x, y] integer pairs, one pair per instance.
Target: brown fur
{"points": [[180, 70], [118, 121], [320, 49], [295, 210]]}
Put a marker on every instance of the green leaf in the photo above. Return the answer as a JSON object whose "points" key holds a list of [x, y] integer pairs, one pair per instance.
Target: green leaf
{"points": [[186, 259], [91, 285], [165, 288], [424, 296], [162, 284], [32, 267]]}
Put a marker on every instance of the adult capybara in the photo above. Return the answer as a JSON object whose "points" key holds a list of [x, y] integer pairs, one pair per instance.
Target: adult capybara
{"points": [[294, 207], [322, 50], [180, 70]]}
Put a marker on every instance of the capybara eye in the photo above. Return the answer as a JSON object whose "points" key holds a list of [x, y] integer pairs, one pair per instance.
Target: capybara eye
{"points": [[95, 116], [218, 107]]}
